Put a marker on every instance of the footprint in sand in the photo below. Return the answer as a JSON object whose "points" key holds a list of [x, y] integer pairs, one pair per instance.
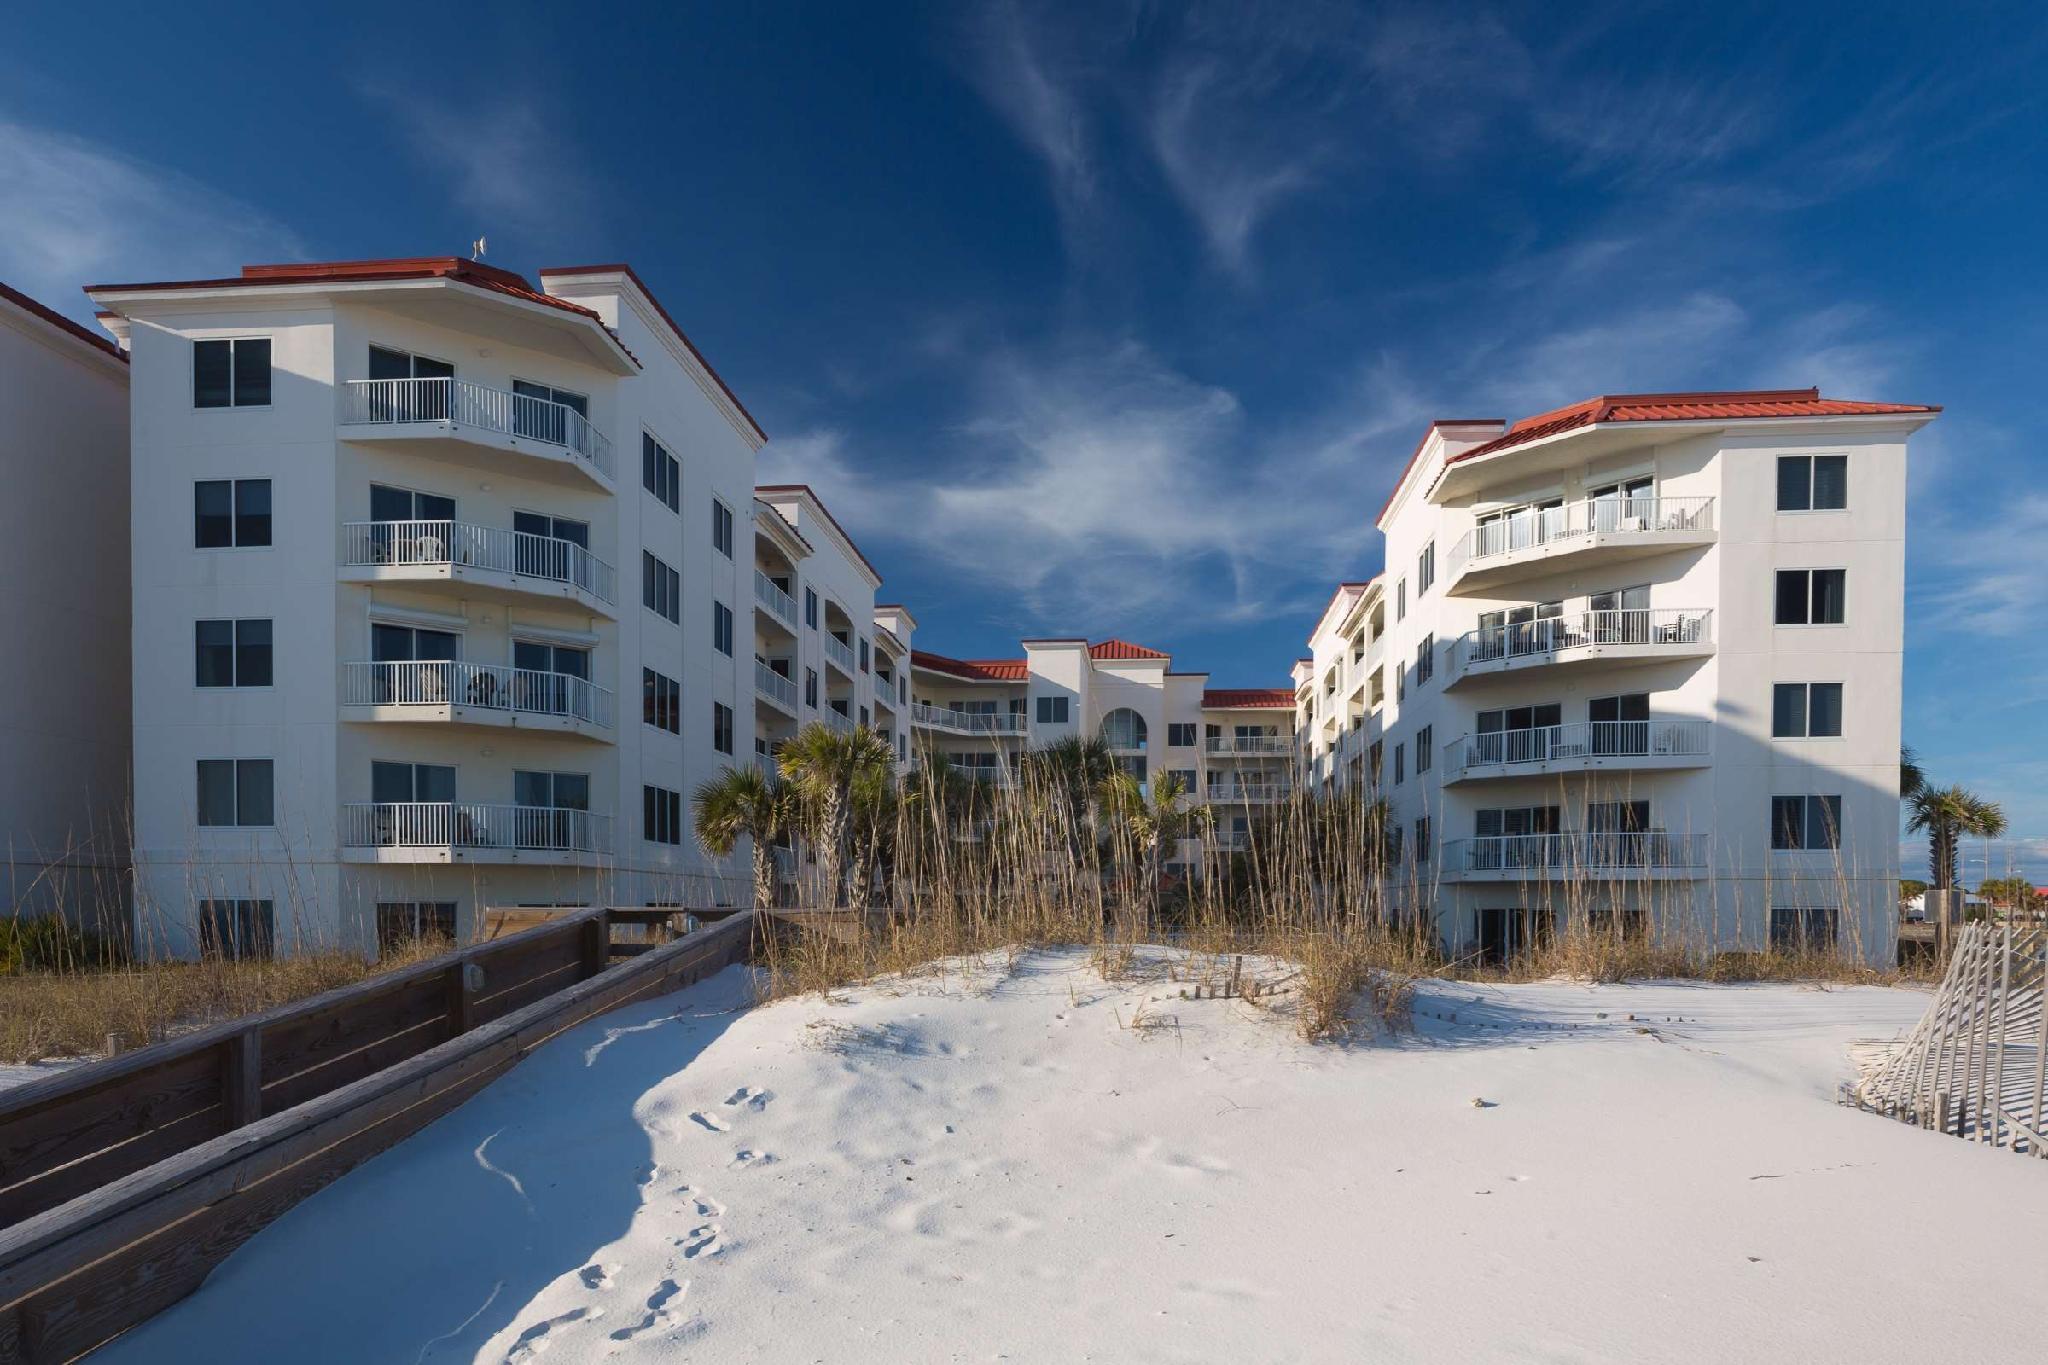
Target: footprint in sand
{"points": [[747, 1156], [659, 1316], [709, 1122], [756, 1100], [701, 1241], [537, 1338], [597, 1276]]}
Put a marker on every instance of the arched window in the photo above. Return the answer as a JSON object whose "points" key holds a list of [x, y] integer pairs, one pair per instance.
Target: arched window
{"points": [[1123, 728]]}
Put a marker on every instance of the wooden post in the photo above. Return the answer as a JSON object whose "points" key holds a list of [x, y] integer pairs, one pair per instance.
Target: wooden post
{"points": [[464, 980], [597, 943], [241, 1077], [1941, 1112]]}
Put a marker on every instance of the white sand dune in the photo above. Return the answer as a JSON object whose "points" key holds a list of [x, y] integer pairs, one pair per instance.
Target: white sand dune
{"points": [[995, 1166]]}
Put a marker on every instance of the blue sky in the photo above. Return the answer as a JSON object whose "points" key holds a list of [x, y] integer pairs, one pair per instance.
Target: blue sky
{"points": [[1074, 313]]}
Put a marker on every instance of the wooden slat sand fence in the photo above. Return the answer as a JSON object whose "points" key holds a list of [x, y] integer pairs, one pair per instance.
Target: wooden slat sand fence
{"points": [[1976, 1065], [124, 1182]]}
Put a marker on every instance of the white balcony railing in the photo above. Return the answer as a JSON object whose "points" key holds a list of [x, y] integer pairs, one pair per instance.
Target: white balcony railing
{"points": [[457, 402], [486, 548], [1531, 527], [1672, 627], [836, 718], [488, 687], [840, 653], [779, 603], [773, 685], [1247, 791], [1250, 744], [1576, 851], [473, 825], [767, 764], [1662, 737], [966, 722]]}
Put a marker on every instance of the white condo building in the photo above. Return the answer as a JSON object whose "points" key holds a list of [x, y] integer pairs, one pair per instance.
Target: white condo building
{"points": [[64, 587], [437, 579], [1232, 748], [1639, 657]]}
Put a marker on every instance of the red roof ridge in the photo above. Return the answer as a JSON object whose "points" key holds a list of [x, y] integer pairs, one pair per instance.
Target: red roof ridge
{"points": [[987, 670], [627, 270], [1222, 698], [59, 321], [1113, 648]]}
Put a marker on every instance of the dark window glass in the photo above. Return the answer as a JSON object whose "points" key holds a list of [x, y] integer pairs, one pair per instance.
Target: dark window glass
{"points": [[252, 653], [214, 651], [400, 923], [721, 528], [1829, 588], [721, 727], [253, 803], [721, 628], [1788, 711], [1792, 595], [1824, 711], [810, 608], [252, 511], [213, 514], [1794, 483], [213, 365], [1830, 482], [238, 929], [1823, 821], [216, 791], [252, 372], [810, 687]]}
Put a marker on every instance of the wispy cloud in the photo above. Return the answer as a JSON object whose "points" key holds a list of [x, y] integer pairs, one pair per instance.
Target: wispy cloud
{"points": [[502, 155], [1227, 181], [75, 213], [1033, 87]]}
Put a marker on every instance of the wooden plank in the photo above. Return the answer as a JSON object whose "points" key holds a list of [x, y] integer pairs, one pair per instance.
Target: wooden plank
{"points": [[308, 1041], [596, 943], [90, 1119], [52, 1189], [353, 1066], [241, 1077], [459, 982], [559, 946], [515, 998]]}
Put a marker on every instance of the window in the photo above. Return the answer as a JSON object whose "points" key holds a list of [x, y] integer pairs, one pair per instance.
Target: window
{"points": [[1422, 839], [230, 513], [1813, 483], [1400, 682], [1123, 728], [1400, 764], [231, 653], [661, 588], [660, 473], [1805, 929], [721, 528], [1186, 778], [401, 924], [811, 687], [1181, 734], [543, 412], [235, 791], [238, 929], [863, 716], [1401, 600], [1425, 748], [1806, 822], [406, 784], [661, 815], [811, 608], [863, 654], [721, 627], [721, 727], [231, 374], [1425, 568], [1425, 660], [1811, 597], [1052, 710], [1375, 761], [661, 701], [1806, 711]]}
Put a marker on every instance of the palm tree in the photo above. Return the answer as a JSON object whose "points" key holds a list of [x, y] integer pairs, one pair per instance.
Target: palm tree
{"points": [[1147, 827], [743, 802], [871, 819], [1912, 778], [1071, 772], [825, 766], [1946, 815]]}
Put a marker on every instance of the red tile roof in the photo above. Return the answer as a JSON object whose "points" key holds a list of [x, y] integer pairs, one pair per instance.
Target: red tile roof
{"points": [[688, 345], [1263, 698], [1683, 407], [1123, 649], [979, 670], [59, 321]]}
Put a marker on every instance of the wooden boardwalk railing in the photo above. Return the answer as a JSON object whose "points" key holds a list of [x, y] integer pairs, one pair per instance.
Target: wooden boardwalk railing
{"points": [[1976, 1065], [124, 1182]]}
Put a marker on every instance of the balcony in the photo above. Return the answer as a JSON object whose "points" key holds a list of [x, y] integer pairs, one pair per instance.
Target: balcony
{"points": [[839, 654], [471, 832], [1249, 746], [775, 688], [837, 719], [1525, 542], [768, 766], [986, 773], [952, 722], [1246, 793], [483, 561], [454, 693], [779, 605], [455, 419], [1648, 855], [1578, 637], [1593, 746]]}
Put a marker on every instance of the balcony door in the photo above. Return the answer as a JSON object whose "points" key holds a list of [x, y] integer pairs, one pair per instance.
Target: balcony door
{"points": [[541, 544], [542, 411], [552, 805], [398, 646], [1505, 837], [408, 402], [1617, 832], [1630, 505], [415, 804], [1519, 734], [1530, 629], [1621, 724], [1620, 617], [543, 674], [409, 527]]}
